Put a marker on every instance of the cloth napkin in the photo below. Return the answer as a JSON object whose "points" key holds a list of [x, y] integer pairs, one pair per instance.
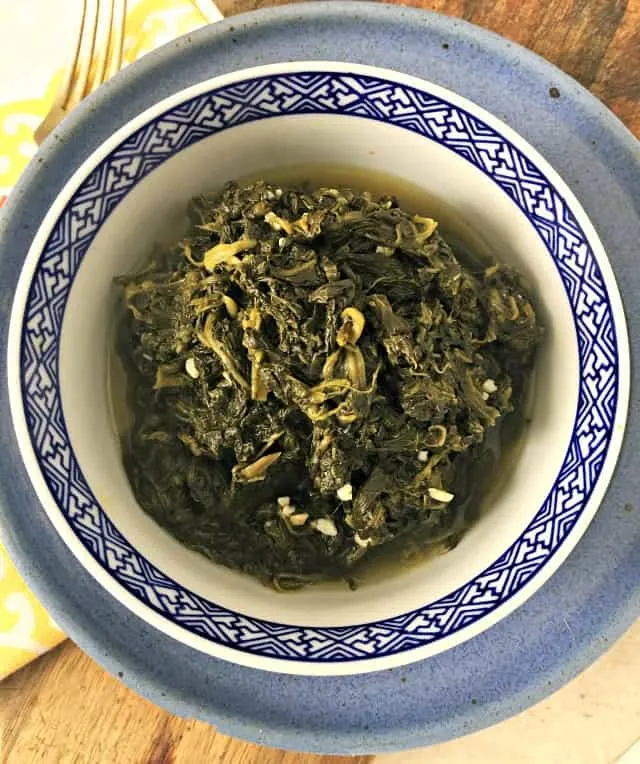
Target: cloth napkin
{"points": [[34, 37]]}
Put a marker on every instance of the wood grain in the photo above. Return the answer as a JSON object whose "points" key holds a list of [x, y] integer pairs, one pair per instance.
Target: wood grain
{"points": [[64, 708]]}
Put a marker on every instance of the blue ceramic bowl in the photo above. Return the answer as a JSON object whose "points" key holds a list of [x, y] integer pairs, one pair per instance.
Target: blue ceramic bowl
{"points": [[65, 233]]}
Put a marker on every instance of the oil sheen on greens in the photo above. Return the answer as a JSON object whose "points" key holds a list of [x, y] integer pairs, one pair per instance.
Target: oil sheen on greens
{"points": [[314, 375]]}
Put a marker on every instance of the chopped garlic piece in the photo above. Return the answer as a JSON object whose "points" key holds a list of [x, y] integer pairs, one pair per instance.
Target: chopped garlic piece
{"points": [[345, 493], [489, 386], [325, 525], [284, 501], [191, 368], [439, 495], [360, 541], [485, 396], [287, 510], [299, 519], [423, 456]]}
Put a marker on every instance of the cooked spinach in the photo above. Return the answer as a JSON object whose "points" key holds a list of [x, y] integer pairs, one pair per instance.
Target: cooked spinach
{"points": [[312, 375]]}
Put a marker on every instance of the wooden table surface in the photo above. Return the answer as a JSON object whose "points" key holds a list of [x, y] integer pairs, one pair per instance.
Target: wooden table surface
{"points": [[65, 708]]}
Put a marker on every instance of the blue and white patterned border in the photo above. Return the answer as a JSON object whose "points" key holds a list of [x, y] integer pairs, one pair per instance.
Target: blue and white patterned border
{"points": [[396, 104]]}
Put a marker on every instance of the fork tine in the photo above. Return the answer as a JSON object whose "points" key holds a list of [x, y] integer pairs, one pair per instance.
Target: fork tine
{"points": [[100, 53], [116, 43], [90, 23], [57, 110]]}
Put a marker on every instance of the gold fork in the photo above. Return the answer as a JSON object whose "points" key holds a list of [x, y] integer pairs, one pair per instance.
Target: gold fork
{"points": [[95, 56]]}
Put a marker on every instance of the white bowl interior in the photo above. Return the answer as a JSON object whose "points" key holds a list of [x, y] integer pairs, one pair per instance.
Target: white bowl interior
{"points": [[154, 210]]}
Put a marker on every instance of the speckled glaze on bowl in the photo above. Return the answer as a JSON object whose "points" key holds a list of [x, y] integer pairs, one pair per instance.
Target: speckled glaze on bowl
{"points": [[526, 654]]}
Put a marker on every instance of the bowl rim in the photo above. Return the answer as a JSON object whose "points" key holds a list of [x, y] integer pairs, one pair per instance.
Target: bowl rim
{"points": [[328, 662]]}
